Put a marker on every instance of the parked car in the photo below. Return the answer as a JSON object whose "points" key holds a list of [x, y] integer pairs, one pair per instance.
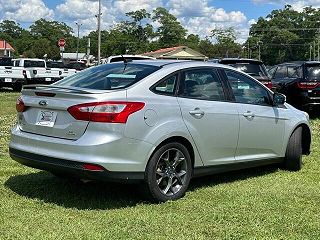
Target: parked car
{"points": [[11, 76], [253, 67], [158, 122], [37, 71], [126, 57], [78, 66], [299, 81]]}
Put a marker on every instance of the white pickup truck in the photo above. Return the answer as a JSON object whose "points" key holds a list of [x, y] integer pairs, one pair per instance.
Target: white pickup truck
{"points": [[11, 76], [37, 71], [59, 66]]}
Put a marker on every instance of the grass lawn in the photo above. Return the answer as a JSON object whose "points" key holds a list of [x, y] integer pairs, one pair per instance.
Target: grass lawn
{"points": [[262, 203]]}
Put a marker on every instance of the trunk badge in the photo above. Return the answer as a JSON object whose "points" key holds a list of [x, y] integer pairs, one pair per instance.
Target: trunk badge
{"points": [[43, 103]]}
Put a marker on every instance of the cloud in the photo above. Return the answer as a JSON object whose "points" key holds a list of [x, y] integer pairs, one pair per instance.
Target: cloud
{"points": [[25, 11]]}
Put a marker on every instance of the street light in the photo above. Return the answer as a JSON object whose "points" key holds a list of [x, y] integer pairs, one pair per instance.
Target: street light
{"points": [[78, 25]]}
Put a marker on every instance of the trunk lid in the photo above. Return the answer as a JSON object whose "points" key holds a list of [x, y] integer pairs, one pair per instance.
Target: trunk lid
{"points": [[47, 110]]}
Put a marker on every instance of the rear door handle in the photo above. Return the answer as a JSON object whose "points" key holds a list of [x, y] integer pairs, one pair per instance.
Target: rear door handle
{"points": [[197, 113], [248, 114]]}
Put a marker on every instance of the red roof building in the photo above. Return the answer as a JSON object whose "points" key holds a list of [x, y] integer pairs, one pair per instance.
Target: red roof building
{"points": [[5, 49], [179, 52]]}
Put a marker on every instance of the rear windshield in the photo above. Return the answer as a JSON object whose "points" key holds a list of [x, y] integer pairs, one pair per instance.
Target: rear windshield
{"points": [[109, 76], [5, 62], [313, 72], [255, 70], [55, 65], [28, 63]]}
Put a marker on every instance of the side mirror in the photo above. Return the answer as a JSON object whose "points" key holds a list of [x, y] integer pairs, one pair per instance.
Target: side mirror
{"points": [[278, 99]]}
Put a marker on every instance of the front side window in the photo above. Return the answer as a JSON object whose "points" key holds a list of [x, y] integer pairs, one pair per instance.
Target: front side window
{"points": [[246, 90], [109, 76], [201, 84]]}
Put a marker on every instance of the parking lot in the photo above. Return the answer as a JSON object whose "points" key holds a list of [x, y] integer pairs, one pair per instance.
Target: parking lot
{"points": [[257, 203]]}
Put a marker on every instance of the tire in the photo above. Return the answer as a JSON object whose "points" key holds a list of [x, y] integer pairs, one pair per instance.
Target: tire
{"points": [[17, 87], [293, 157], [168, 173]]}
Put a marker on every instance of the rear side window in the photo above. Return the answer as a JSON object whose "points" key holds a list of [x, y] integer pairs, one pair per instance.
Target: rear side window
{"points": [[166, 86], [5, 62], [109, 76], [201, 84]]}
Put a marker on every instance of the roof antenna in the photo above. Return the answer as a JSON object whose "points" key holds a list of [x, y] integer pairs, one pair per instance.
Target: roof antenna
{"points": [[125, 60]]}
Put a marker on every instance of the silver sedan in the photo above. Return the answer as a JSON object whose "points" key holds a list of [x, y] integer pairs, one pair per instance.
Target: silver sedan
{"points": [[158, 122]]}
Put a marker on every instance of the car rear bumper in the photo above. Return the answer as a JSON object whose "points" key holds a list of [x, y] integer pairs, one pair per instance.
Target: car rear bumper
{"points": [[3, 81], [72, 168], [43, 80], [112, 151]]}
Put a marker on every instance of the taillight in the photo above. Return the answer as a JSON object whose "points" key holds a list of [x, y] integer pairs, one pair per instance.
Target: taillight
{"points": [[268, 84], [20, 105], [109, 112], [24, 73], [92, 167], [35, 72], [308, 85], [60, 73]]}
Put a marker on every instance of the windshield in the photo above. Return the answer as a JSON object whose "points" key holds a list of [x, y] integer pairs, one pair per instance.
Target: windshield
{"points": [[28, 63], [108, 76], [313, 72], [251, 69]]}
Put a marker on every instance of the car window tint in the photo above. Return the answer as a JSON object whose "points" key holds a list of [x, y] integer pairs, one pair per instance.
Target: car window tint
{"points": [[109, 76], [271, 71], [281, 72], [167, 86], [246, 90], [294, 72], [201, 84]]}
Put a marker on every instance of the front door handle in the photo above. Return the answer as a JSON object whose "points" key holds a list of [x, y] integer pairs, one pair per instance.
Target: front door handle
{"points": [[248, 114], [197, 113]]}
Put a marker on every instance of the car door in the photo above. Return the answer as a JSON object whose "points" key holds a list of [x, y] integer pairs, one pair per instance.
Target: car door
{"points": [[261, 124], [212, 121]]}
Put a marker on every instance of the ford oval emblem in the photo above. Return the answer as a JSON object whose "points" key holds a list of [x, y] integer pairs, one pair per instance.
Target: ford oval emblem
{"points": [[43, 103]]}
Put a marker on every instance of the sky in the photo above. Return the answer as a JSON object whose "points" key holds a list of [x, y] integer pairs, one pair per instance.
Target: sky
{"points": [[197, 16]]}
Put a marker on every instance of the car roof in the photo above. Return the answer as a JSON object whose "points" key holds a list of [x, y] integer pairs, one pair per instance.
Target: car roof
{"points": [[240, 60], [298, 63]]}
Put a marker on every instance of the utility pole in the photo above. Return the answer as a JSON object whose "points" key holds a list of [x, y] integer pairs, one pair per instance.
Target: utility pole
{"points": [[314, 50], [99, 32], [78, 40], [310, 57]]}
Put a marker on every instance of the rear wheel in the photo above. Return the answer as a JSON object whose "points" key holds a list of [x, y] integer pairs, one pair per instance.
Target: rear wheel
{"points": [[168, 172], [293, 158], [17, 87]]}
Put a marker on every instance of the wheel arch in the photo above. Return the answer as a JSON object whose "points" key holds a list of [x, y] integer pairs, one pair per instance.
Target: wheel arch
{"points": [[184, 141], [306, 138]]}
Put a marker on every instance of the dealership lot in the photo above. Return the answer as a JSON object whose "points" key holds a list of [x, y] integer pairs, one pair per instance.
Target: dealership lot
{"points": [[257, 203]]}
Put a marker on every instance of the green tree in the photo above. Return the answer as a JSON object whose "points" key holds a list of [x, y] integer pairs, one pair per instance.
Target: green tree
{"points": [[170, 31], [226, 45]]}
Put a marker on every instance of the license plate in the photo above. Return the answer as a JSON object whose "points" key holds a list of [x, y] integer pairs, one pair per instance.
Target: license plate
{"points": [[46, 118], [8, 80], [48, 79]]}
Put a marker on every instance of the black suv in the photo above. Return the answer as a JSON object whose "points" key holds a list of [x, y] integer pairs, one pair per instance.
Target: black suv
{"points": [[253, 67], [299, 81]]}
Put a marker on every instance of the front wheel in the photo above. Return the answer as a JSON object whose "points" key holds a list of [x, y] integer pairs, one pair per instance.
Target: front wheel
{"points": [[293, 158], [168, 172]]}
